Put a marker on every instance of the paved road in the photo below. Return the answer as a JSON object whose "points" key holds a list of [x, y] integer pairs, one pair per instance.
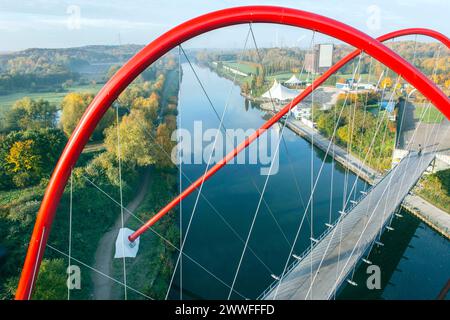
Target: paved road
{"points": [[326, 266], [413, 132]]}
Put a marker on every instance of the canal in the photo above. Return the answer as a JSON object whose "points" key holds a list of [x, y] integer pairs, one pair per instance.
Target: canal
{"points": [[414, 263]]}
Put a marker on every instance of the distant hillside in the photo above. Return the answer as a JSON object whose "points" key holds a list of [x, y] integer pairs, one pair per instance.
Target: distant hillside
{"points": [[42, 69], [86, 54]]}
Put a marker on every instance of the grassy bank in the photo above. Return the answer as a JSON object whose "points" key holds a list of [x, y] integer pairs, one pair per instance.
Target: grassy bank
{"points": [[428, 114], [7, 101], [151, 270], [436, 189]]}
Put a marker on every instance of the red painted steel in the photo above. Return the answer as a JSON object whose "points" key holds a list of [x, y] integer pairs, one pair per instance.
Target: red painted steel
{"points": [[275, 119], [163, 44]]}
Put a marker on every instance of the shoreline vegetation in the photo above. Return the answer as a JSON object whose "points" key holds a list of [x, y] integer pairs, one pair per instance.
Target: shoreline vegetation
{"points": [[355, 128], [435, 188], [43, 93], [33, 133]]}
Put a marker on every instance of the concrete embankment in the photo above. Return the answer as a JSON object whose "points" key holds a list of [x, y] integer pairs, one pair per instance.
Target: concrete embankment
{"points": [[416, 205], [338, 153], [428, 213]]}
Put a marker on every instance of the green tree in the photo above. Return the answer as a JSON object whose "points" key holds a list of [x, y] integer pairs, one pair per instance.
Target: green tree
{"points": [[31, 114], [51, 282], [325, 124]]}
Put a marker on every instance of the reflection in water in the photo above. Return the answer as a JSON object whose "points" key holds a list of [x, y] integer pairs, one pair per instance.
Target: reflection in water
{"points": [[229, 200], [414, 263]]}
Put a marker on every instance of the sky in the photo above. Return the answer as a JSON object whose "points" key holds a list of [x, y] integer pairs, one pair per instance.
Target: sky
{"points": [[70, 23]]}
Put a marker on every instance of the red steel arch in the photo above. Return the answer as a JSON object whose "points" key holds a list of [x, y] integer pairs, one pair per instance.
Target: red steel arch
{"points": [[274, 119], [160, 46]]}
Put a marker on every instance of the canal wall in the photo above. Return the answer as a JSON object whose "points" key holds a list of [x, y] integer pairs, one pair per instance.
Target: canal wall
{"points": [[428, 213], [414, 204], [341, 155]]}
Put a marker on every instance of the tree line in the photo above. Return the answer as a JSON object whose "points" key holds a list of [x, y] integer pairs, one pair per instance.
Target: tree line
{"points": [[32, 138]]}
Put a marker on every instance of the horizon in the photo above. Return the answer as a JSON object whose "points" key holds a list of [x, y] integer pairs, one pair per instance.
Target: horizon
{"points": [[67, 24], [425, 40]]}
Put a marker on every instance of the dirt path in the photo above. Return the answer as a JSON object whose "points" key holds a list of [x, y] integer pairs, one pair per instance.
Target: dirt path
{"points": [[105, 249], [106, 246]]}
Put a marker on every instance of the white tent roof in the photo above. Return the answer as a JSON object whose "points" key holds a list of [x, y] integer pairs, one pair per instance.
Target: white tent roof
{"points": [[280, 92], [293, 80]]}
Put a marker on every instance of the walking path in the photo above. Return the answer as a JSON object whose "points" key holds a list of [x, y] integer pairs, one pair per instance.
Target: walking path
{"points": [[105, 249], [346, 159], [428, 213]]}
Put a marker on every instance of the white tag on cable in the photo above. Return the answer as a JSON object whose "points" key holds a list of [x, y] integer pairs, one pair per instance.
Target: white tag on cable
{"points": [[125, 248]]}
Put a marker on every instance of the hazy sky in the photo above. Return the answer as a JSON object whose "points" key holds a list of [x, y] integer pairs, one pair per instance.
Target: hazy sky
{"points": [[60, 23]]}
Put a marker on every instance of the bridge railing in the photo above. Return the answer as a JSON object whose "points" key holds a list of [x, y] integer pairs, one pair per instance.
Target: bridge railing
{"points": [[295, 263], [321, 237]]}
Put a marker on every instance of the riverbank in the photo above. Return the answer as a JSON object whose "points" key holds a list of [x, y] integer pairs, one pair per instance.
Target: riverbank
{"points": [[436, 218], [416, 205], [347, 160]]}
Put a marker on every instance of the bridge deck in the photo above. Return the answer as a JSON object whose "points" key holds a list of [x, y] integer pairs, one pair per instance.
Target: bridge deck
{"points": [[330, 261]]}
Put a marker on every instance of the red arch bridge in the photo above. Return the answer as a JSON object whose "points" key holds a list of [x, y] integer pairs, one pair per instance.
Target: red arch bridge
{"points": [[312, 275]]}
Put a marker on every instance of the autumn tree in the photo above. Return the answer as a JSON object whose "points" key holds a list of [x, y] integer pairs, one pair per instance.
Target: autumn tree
{"points": [[28, 156], [261, 75], [164, 148], [126, 98], [159, 84], [245, 88], [73, 107], [135, 134], [148, 105], [343, 134], [24, 163], [386, 83], [112, 70]]}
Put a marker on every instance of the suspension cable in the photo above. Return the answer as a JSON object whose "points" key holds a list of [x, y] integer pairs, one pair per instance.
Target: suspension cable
{"points": [[309, 201], [70, 230], [121, 203], [221, 125]]}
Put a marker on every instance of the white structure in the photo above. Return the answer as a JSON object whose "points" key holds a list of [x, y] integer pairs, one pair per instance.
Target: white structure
{"points": [[350, 85], [296, 113], [124, 248], [308, 123], [398, 155], [301, 113], [280, 92], [325, 55], [293, 81], [235, 71]]}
